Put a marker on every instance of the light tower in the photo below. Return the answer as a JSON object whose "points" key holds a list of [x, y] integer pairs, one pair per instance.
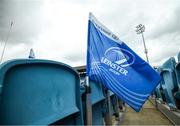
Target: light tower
{"points": [[140, 29]]}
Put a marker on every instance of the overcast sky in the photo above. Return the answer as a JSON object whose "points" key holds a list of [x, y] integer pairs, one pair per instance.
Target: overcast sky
{"points": [[57, 29]]}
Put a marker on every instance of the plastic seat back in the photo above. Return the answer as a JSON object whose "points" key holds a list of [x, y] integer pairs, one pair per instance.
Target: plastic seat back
{"points": [[169, 83], [39, 92], [178, 57], [96, 93], [177, 70], [97, 99], [159, 91]]}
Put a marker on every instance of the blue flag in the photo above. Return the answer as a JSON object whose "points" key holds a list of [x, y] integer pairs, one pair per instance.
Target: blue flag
{"points": [[112, 63]]}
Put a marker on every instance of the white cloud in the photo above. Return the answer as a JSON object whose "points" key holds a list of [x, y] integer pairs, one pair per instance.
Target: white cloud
{"points": [[57, 30]]}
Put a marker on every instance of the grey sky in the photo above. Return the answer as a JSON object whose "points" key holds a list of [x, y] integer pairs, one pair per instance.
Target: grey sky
{"points": [[57, 29]]}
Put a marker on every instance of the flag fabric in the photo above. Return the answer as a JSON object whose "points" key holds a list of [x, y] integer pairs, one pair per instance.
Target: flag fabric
{"points": [[112, 63], [31, 54]]}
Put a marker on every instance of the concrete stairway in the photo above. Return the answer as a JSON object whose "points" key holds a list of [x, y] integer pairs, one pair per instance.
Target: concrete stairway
{"points": [[148, 115]]}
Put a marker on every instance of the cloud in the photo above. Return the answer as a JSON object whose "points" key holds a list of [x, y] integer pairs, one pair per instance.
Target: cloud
{"points": [[57, 30], [168, 24], [26, 17]]}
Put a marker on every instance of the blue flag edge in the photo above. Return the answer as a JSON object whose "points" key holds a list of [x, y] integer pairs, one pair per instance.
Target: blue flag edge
{"points": [[156, 83]]}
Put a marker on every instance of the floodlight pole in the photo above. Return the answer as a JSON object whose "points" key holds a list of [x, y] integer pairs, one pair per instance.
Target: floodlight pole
{"points": [[140, 30]]}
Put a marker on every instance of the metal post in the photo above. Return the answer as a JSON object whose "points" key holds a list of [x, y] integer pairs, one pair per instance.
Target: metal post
{"points": [[5, 43], [88, 103], [140, 30]]}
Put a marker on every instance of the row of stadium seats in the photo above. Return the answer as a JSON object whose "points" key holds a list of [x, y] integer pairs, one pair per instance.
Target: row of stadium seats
{"points": [[168, 90], [48, 92]]}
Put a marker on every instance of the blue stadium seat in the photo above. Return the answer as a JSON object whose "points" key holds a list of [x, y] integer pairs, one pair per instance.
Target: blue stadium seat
{"points": [[178, 57], [39, 92], [99, 102], [159, 90], [97, 99], [177, 71], [169, 83]]}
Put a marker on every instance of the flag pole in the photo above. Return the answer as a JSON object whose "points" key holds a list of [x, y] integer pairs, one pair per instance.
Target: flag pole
{"points": [[88, 103], [88, 88], [108, 118]]}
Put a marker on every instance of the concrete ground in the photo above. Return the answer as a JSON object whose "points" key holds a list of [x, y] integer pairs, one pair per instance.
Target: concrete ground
{"points": [[148, 115]]}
